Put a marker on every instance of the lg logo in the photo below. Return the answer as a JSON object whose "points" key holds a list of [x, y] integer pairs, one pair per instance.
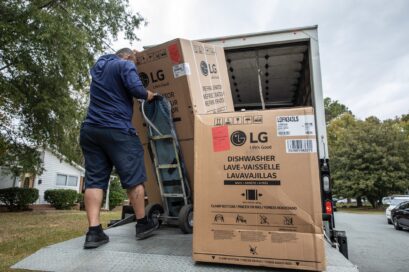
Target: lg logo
{"points": [[152, 77], [203, 68], [239, 138], [206, 68], [144, 78]]}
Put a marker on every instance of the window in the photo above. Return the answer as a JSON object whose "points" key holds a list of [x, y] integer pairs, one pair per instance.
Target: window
{"points": [[72, 181], [397, 201], [65, 180], [61, 179], [404, 206]]}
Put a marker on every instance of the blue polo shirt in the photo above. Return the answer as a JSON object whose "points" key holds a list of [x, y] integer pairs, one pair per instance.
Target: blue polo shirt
{"points": [[114, 84]]}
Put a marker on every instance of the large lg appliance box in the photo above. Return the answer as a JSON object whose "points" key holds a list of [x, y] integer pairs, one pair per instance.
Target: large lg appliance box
{"points": [[193, 77], [257, 189]]}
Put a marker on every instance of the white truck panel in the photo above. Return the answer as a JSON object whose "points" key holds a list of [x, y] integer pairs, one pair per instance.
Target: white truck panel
{"points": [[306, 34]]}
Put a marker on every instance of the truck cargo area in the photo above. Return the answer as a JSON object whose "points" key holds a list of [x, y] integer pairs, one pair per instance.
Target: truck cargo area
{"points": [[281, 69], [277, 73]]}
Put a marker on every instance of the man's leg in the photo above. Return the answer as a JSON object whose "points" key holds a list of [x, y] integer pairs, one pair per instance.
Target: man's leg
{"points": [[144, 226], [98, 168], [137, 197], [128, 158], [93, 200], [95, 235]]}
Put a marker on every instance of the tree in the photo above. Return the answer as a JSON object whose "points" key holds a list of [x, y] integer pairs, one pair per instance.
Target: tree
{"points": [[46, 50], [404, 123], [339, 135], [369, 158], [333, 109], [18, 158]]}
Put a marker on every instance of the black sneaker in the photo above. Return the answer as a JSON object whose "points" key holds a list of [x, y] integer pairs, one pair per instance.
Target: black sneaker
{"points": [[145, 230], [94, 239]]}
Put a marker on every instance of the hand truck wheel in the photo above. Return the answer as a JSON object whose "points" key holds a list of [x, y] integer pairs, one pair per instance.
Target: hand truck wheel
{"points": [[153, 212], [186, 219]]}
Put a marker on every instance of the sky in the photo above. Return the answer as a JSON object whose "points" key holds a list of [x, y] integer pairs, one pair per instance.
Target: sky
{"points": [[364, 45]]}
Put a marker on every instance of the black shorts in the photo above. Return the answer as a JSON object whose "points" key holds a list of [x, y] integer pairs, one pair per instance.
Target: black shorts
{"points": [[106, 147]]}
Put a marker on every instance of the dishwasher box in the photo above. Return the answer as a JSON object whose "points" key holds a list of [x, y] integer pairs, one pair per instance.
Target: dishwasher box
{"points": [[257, 189]]}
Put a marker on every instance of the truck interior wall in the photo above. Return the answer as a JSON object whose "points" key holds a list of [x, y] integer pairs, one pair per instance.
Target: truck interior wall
{"points": [[302, 96]]}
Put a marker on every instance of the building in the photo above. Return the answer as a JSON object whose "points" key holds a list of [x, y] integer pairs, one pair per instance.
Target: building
{"points": [[57, 174]]}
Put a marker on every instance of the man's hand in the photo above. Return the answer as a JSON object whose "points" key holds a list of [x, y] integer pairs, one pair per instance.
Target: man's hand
{"points": [[151, 95]]}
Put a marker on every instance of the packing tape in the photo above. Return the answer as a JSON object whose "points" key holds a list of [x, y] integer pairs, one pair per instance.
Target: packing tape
{"points": [[198, 75], [210, 77], [220, 77]]}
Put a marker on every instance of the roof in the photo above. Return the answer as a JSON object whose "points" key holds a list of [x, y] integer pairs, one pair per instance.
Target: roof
{"points": [[260, 33], [253, 34]]}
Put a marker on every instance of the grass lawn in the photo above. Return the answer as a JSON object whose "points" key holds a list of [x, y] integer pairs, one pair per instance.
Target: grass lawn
{"points": [[367, 210], [22, 234]]}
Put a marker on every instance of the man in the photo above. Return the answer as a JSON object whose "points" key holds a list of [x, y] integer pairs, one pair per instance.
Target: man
{"points": [[108, 139]]}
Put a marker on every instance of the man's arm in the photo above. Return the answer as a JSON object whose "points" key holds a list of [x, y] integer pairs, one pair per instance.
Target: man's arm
{"points": [[133, 83]]}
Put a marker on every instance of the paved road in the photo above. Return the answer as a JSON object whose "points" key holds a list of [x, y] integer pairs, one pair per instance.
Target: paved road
{"points": [[374, 245]]}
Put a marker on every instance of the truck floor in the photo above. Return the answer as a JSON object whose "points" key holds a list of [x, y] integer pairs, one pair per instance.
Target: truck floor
{"points": [[168, 250]]}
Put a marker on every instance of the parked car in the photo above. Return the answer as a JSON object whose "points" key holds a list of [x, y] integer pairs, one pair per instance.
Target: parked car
{"points": [[394, 202], [345, 200], [386, 200], [400, 215]]}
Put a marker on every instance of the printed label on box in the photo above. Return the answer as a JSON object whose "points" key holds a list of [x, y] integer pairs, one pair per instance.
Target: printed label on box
{"points": [[213, 97], [182, 69], [220, 136], [174, 53], [295, 125]]}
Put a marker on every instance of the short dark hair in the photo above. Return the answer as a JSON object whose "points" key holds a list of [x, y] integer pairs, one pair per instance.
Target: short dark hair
{"points": [[123, 52]]}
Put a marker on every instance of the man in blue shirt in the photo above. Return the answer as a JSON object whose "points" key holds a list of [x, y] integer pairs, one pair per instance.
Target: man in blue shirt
{"points": [[108, 139]]}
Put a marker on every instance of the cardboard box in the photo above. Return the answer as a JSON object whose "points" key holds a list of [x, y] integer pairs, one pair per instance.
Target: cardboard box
{"points": [[151, 186], [191, 75], [257, 190]]}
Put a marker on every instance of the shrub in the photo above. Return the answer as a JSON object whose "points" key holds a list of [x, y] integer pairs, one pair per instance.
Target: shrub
{"points": [[18, 199], [116, 194], [80, 198], [61, 199], [81, 201]]}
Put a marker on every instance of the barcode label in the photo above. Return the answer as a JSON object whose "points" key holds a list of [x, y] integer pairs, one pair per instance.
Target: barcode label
{"points": [[301, 146]]}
